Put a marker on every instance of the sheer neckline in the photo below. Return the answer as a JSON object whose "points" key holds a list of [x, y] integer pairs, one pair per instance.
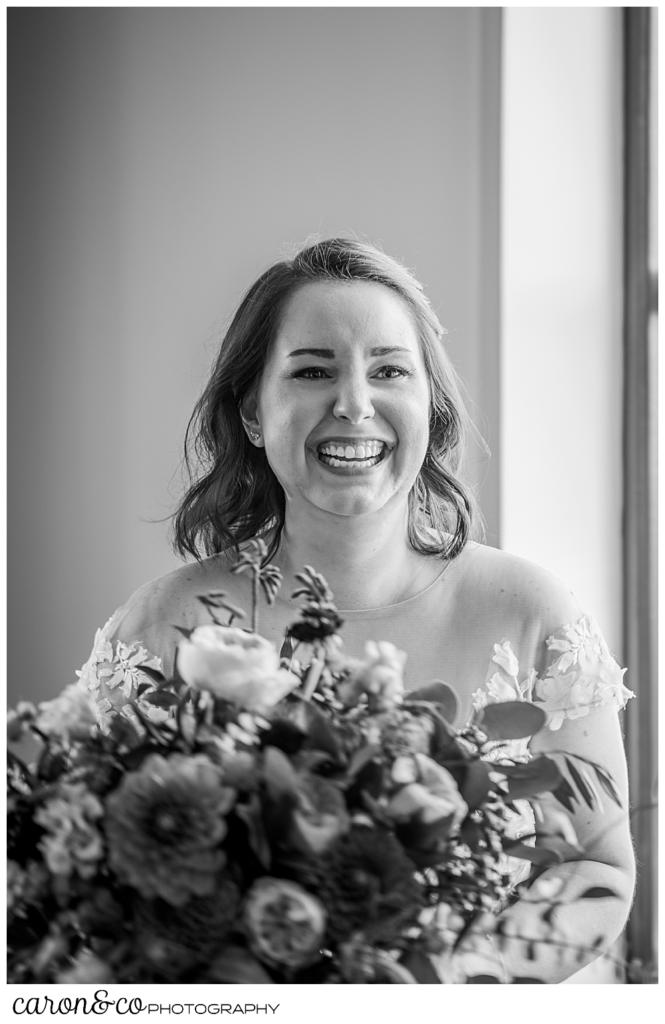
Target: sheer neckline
{"points": [[386, 609]]}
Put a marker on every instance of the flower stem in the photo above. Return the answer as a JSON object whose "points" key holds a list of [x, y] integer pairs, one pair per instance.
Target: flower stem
{"points": [[313, 675], [256, 576]]}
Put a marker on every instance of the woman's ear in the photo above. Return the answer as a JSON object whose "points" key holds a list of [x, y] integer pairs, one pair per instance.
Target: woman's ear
{"points": [[250, 419]]}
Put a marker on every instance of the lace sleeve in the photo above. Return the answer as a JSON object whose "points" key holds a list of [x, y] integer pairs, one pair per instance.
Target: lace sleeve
{"points": [[582, 676], [118, 674]]}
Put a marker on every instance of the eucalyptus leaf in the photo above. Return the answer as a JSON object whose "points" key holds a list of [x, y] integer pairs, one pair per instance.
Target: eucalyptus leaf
{"points": [[511, 720], [476, 783], [437, 692], [540, 775]]}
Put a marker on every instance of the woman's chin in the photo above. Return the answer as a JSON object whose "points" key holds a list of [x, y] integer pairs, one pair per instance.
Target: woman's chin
{"points": [[353, 503]]}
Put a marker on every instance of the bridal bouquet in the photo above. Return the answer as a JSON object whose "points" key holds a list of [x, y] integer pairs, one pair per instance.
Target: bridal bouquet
{"points": [[255, 819]]}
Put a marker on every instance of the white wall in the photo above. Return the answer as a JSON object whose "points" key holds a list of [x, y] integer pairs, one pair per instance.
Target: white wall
{"points": [[561, 391], [159, 160]]}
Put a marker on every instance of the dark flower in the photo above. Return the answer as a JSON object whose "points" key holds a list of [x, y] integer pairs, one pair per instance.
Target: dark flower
{"points": [[174, 940], [367, 884], [317, 621], [100, 914], [164, 825]]}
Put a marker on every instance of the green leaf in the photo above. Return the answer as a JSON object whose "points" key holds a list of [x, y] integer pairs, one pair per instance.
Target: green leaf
{"points": [[421, 967], [437, 692], [183, 632], [154, 674], [122, 730], [320, 734], [541, 775], [270, 580], [557, 851], [250, 814], [585, 791], [360, 758], [476, 784], [598, 892], [161, 698], [287, 649], [607, 782], [565, 794], [511, 720], [279, 774], [235, 965]]}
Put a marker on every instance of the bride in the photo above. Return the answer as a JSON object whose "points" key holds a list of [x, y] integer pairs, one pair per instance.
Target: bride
{"points": [[332, 426]]}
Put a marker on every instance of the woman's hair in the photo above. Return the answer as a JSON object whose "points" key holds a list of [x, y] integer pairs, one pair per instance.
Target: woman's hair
{"points": [[234, 495]]}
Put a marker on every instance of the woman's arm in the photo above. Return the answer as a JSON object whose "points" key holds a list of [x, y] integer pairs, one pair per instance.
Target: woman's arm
{"points": [[582, 928], [580, 686]]}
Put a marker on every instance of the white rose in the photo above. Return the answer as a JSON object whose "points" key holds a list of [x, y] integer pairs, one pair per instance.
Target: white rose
{"points": [[70, 715], [234, 665], [433, 795], [380, 676]]}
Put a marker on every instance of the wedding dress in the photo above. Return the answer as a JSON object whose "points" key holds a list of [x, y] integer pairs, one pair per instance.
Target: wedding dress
{"points": [[570, 674]]}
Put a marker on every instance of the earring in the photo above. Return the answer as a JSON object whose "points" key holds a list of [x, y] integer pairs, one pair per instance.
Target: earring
{"points": [[255, 436]]}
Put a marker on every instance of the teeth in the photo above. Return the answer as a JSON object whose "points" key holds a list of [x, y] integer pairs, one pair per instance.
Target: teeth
{"points": [[330, 460], [362, 450]]}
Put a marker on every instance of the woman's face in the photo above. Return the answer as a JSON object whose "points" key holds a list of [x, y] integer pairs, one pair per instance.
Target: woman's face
{"points": [[343, 401]]}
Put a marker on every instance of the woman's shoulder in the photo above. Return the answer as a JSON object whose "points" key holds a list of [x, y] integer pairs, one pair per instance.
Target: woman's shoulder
{"points": [[544, 641], [157, 611], [517, 587]]}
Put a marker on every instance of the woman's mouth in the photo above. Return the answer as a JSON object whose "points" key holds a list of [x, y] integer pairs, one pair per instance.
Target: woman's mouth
{"points": [[352, 454]]}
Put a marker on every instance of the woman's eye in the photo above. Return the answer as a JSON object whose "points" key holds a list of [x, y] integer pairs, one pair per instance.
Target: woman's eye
{"points": [[311, 373], [392, 372]]}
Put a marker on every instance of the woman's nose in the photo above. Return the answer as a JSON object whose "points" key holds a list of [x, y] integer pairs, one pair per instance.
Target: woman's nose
{"points": [[353, 401]]}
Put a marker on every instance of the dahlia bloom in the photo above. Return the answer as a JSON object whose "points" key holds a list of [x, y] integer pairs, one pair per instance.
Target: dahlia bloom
{"points": [[164, 824]]}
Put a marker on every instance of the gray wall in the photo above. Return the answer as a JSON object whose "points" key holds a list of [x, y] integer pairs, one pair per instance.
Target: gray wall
{"points": [[159, 160]]}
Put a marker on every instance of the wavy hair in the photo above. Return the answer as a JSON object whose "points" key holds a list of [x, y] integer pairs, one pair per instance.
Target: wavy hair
{"points": [[233, 495]]}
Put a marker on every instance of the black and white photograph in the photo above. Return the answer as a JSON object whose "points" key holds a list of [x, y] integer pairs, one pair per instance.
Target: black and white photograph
{"points": [[332, 603]]}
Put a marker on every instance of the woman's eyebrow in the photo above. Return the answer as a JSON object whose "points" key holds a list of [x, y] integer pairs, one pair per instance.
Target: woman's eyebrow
{"points": [[328, 353], [321, 353]]}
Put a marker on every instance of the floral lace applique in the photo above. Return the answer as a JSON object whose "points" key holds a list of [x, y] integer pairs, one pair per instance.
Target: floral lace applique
{"points": [[113, 677], [583, 676]]}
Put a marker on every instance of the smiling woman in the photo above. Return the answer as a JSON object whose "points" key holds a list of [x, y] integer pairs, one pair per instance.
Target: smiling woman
{"points": [[332, 428], [346, 427]]}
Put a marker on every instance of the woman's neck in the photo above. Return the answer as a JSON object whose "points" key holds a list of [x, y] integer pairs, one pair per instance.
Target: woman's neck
{"points": [[366, 560]]}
